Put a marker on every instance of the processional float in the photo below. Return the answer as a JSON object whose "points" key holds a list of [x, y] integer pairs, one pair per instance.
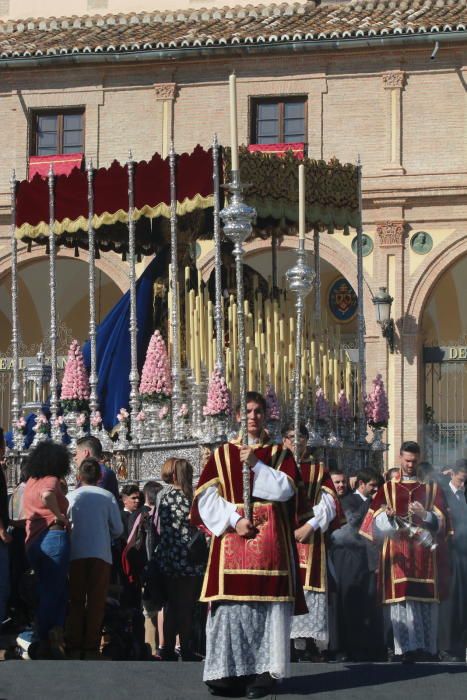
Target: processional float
{"points": [[141, 444]]}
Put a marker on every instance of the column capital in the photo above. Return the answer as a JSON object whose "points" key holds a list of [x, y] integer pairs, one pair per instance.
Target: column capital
{"points": [[165, 91], [391, 234], [394, 79]]}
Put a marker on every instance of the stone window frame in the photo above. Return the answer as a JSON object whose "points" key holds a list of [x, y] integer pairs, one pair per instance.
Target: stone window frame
{"points": [[280, 99], [34, 113]]}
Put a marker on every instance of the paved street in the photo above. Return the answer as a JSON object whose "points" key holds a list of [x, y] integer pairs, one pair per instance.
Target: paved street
{"points": [[78, 680]]}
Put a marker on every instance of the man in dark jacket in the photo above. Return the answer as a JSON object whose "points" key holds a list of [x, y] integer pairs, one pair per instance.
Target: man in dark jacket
{"points": [[354, 565], [90, 446], [453, 611]]}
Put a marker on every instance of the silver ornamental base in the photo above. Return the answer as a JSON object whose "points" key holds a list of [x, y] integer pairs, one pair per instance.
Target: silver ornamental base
{"points": [[377, 443], [18, 439], [70, 418], [122, 442], [104, 438], [334, 440], [215, 429], [39, 437], [165, 429]]}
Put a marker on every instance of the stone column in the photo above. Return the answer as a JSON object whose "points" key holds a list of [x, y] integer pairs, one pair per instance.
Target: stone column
{"points": [[166, 93], [394, 82], [390, 237]]}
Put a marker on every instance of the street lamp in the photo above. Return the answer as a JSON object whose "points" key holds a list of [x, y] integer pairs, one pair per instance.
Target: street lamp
{"points": [[382, 301]]}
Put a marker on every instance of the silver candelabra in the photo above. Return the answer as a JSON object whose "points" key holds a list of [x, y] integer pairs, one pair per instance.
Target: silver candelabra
{"points": [[300, 279], [237, 218]]}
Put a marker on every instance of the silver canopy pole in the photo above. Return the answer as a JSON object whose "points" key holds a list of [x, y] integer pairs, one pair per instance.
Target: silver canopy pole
{"points": [[362, 429], [219, 301], [55, 431], [15, 387], [93, 400], [134, 376], [177, 421]]}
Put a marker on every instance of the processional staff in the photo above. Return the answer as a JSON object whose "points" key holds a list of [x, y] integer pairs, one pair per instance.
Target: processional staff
{"points": [[93, 400], [300, 279], [237, 218], [15, 404], [134, 375], [53, 308]]}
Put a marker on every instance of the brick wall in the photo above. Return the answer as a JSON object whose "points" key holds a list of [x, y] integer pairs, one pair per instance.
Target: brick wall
{"points": [[349, 110]]}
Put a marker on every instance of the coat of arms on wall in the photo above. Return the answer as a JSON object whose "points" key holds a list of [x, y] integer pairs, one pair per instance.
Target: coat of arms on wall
{"points": [[342, 300]]}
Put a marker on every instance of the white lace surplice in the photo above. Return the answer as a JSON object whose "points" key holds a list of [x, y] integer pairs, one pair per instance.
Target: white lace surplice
{"points": [[243, 639]]}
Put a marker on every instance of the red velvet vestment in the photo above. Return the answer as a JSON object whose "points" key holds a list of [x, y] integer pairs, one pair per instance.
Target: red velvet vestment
{"points": [[262, 569], [316, 480], [408, 570]]}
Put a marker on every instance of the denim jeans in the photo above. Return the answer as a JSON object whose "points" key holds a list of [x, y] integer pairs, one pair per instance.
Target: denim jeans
{"points": [[49, 555], [4, 580]]}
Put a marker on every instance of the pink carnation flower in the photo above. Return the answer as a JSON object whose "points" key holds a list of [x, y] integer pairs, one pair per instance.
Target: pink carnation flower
{"points": [[321, 405], [96, 419], [376, 404], [343, 407], [273, 410], [156, 379], [122, 415], [218, 400], [75, 383]]}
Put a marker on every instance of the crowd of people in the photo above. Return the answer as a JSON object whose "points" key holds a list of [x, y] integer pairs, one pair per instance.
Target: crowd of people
{"points": [[325, 568]]}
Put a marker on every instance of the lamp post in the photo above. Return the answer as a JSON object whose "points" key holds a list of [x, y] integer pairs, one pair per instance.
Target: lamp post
{"points": [[383, 301]]}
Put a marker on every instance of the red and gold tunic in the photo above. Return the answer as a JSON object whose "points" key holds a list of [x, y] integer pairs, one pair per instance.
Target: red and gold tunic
{"points": [[259, 569], [408, 570], [316, 480]]}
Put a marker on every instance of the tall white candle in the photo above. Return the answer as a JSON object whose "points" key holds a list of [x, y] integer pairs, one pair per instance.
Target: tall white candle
{"points": [[301, 201], [233, 120]]}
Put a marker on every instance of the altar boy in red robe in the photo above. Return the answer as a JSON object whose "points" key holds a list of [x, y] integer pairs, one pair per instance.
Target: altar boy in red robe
{"points": [[319, 512], [251, 581], [409, 580]]}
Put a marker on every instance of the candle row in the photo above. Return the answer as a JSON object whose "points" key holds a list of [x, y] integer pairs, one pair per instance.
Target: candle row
{"points": [[270, 328]]}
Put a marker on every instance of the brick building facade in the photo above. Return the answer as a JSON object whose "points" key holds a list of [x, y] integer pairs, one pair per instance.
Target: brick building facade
{"points": [[381, 80]]}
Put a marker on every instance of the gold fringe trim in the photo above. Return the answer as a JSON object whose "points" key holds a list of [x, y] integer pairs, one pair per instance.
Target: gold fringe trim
{"points": [[108, 219]]}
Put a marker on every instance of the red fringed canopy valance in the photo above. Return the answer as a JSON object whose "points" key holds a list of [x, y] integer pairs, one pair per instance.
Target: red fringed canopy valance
{"points": [[194, 185]]}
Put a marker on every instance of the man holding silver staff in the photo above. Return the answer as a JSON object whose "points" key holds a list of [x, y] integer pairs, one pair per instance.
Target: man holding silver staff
{"points": [[410, 518], [251, 581], [319, 511]]}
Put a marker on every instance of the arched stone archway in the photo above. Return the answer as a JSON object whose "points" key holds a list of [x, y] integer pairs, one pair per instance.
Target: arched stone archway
{"points": [[428, 275], [109, 263]]}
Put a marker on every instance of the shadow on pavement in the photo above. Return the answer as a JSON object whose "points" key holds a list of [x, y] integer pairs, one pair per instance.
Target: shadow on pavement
{"points": [[364, 675]]}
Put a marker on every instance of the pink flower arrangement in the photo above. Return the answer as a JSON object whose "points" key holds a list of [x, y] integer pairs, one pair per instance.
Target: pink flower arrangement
{"points": [[273, 410], [183, 411], [96, 419], [141, 417], [123, 415], [156, 380], [343, 407], [376, 404], [58, 422], [321, 406], [75, 383], [218, 402], [163, 412], [81, 420]]}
